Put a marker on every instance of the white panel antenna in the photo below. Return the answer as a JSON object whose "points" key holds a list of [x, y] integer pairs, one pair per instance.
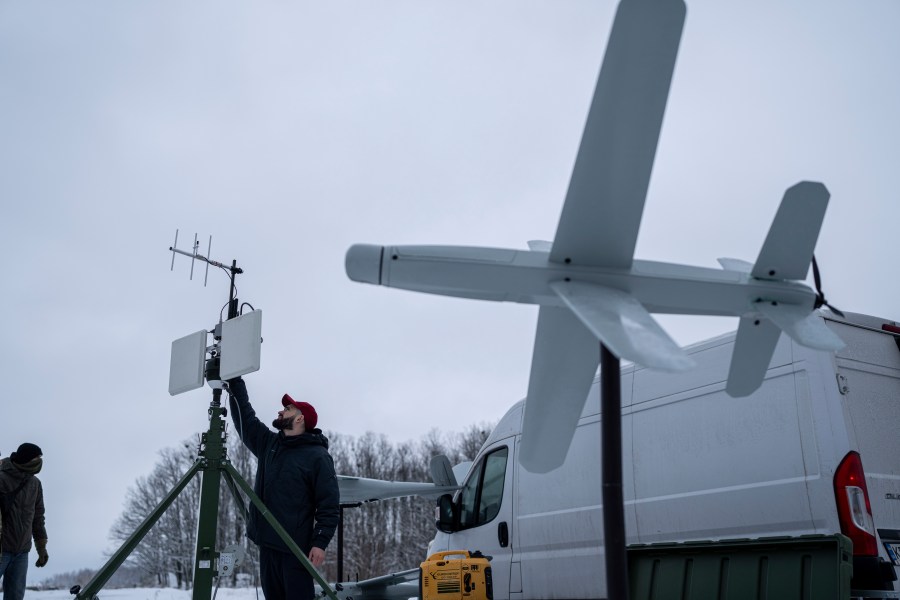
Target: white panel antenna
{"points": [[187, 362], [240, 346]]}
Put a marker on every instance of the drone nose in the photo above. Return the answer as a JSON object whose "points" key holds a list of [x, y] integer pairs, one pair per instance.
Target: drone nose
{"points": [[363, 263]]}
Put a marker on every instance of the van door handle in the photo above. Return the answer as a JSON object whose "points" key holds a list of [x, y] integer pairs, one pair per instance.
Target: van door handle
{"points": [[503, 534]]}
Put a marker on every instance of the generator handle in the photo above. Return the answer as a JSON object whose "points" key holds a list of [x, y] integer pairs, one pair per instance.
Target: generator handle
{"points": [[443, 555]]}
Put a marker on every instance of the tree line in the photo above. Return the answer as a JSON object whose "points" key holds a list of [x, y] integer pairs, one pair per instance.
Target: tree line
{"points": [[379, 537]]}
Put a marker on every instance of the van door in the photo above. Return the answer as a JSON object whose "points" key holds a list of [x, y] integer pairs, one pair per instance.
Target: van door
{"points": [[485, 513]]}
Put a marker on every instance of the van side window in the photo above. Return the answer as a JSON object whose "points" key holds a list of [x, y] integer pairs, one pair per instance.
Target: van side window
{"points": [[481, 496], [468, 498]]}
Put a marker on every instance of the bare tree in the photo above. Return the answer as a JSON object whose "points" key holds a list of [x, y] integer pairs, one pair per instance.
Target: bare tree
{"points": [[472, 439], [167, 548]]}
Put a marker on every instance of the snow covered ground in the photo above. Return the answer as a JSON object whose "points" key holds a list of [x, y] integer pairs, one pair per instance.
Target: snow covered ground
{"points": [[149, 594]]}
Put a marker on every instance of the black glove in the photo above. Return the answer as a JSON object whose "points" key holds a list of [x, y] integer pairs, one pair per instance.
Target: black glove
{"points": [[43, 557]]}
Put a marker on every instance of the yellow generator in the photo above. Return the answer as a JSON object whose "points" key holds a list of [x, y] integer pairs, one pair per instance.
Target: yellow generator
{"points": [[456, 575]]}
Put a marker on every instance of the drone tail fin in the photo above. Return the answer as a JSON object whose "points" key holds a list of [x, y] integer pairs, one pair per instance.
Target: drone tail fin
{"points": [[787, 252], [753, 349], [785, 255], [803, 326], [758, 335], [441, 471]]}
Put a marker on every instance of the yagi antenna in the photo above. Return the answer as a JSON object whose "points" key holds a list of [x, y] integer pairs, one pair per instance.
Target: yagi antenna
{"points": [[195, 255]]}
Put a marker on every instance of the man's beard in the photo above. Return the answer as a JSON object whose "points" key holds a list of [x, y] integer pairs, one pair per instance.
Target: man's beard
{"points": [[282, 423]]}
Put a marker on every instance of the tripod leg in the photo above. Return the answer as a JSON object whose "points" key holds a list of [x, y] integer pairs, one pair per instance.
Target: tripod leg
{"points": [[238, 499], [115, 561], [245, 487]]}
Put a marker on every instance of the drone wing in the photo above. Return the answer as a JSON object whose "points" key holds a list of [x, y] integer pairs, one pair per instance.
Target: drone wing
{"points": [[600, 221], [394, 586], [563, 365], [602, 213], [361, 489]]}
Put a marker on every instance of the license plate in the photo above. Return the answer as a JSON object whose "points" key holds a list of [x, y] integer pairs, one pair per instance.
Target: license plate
{"points": [[893, 550]]}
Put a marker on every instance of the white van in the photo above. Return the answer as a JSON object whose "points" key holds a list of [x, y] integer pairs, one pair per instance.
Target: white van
{"points": [[816, 450]]}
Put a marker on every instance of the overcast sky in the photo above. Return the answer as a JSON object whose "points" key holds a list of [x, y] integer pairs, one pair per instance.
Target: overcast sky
{"points": [[290, 130]]}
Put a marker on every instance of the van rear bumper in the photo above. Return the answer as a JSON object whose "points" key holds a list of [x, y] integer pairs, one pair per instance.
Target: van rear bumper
{"points": [[873, 573]]}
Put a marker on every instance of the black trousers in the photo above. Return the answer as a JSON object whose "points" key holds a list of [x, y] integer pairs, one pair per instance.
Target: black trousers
{"points": [[283, 577]]}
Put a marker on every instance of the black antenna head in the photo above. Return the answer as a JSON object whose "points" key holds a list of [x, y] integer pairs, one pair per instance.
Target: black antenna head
{"points": [[212, 369]]}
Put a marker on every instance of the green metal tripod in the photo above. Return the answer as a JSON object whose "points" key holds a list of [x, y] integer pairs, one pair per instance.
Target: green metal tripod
{"points": [[213, 463]]}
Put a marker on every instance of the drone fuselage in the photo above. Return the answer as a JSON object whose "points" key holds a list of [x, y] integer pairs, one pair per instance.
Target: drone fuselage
{"points": [[524, 276]]}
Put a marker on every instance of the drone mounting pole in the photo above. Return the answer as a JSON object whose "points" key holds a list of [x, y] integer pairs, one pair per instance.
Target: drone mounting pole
{"points": [[611, 455], [340, 540], [340, 548]]}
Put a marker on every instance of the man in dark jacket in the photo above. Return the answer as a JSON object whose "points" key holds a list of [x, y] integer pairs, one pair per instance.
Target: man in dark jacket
{"points": [[21, 518], [296, 481]]}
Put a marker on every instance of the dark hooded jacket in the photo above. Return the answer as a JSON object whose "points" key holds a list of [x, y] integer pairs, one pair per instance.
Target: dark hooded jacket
{"points": [[25, 519], [295, 479]]}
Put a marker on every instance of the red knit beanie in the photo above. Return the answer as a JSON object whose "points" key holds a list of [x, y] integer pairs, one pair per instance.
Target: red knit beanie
{"points": [[309, 413]]}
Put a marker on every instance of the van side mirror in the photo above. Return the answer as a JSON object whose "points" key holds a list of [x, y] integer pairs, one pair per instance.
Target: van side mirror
{"points": [[445, 514]]}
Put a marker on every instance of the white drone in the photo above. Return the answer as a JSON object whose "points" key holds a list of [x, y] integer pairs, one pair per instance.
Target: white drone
{"points": [[587, 282]]}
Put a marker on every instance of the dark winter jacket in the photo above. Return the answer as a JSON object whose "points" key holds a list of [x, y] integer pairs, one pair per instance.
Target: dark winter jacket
{"points": [[295, 479], [25, 519]]}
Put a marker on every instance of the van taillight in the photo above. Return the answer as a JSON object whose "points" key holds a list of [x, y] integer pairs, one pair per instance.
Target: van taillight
{"points": [[854, 510]]}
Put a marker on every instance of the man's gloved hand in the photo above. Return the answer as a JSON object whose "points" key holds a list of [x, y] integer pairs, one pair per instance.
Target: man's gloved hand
{"points": [[43, 557]]}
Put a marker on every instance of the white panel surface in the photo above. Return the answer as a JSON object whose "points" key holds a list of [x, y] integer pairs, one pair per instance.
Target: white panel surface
{"points": [[187, 362], [240, 345]]}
